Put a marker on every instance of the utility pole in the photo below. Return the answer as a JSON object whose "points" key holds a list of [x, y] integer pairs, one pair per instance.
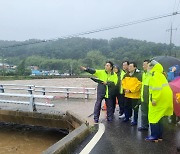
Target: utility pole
{"points": [[3, 63], [170, 44]]}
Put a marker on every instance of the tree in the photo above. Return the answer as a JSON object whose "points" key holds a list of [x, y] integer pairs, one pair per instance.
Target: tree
{"points": [[95, 59], [21, 69]]}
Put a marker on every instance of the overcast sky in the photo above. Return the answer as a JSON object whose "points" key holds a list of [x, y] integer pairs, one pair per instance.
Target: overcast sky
{"points": [[48, 19]]}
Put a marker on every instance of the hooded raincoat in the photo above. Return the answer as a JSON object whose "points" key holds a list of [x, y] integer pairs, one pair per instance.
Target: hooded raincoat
{"points": [[161, 93]]}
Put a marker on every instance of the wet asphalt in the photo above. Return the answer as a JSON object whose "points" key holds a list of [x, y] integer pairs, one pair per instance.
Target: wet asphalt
{"points": [[122, 138]]}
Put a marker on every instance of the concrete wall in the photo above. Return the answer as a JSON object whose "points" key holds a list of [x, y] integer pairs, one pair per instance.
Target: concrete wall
{"points": [[70, 142], [78, 128], [62, 121]]}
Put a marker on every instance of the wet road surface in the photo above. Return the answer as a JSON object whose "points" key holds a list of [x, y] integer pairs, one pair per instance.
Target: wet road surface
{"points": [[122, 138]]}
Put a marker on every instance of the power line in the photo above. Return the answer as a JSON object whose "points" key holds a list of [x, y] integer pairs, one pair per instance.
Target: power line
{"points": [[172, 17], [98, 30], [175, 9], [122, 25]]}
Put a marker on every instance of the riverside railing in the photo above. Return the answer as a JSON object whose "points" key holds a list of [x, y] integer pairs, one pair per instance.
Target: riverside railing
{"points": [[32, 89]]}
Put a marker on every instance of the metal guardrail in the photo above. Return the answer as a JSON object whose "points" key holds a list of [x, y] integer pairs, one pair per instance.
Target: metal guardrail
{"points": [[28, 88], [32, 104], [31, 89]]}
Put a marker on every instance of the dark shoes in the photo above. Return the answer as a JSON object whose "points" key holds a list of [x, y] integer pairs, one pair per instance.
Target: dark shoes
{"points": [[178, 149], [110, 120], [125, 120], [133, 123], [96, 121], [152, 139], [142, 129]]}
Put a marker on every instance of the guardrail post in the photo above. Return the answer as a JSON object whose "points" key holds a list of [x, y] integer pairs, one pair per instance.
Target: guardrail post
{"points": [[32, 105], [87, 94], [43, 91], [67, 93], [30, 90], [1, 89]]}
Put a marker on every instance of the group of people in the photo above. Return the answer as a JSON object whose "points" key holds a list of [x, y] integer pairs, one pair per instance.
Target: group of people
{"points": [[131, 88]]}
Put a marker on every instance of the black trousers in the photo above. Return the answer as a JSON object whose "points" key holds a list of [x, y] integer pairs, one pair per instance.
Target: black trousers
{"points": [[109, 104], [144, 114], [131, 104], [121, 101], [157, 129]]}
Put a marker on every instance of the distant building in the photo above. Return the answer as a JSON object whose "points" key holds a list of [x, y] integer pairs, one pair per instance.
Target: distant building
{"points": [[34, 67], [45, 73], [54, 72], [35, 72], [8, 67], [4, 65]]}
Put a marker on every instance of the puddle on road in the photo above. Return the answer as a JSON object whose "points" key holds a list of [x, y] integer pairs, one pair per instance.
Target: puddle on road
{"points": [[23, 139]]}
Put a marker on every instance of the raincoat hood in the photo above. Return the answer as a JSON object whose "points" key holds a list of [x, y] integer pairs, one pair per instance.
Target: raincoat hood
{"points": [[160, 93], [157, 68]]}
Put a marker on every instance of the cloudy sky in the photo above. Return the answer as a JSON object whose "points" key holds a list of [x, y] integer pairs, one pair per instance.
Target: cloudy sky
{"points": [[48, 19]]}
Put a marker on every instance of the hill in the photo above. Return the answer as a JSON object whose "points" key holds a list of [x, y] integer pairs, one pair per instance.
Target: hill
{"points": [[68, 54]]}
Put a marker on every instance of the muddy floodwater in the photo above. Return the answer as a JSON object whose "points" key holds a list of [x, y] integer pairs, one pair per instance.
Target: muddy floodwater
{"points": [[62, 82], [23, 139]]}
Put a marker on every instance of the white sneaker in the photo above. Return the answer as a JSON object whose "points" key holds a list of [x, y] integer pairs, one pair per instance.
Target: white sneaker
{"points": [[121, 116]]}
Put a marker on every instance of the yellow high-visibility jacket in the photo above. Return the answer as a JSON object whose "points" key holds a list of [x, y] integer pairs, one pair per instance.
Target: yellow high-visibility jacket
{"points": [[133, 84], [110, 78], [121, 77], [161, 93], [145, 86]]}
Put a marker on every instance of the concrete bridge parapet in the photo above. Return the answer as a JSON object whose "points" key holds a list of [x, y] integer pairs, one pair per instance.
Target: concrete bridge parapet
{"points": [[78, 128]]}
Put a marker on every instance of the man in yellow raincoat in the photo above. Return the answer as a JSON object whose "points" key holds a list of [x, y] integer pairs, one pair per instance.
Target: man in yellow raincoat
{"points": [[160, 100], [132, 87]]}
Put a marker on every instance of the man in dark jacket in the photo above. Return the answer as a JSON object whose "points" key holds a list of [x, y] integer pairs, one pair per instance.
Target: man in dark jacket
{"points": [[105, 90], [132, 88]]}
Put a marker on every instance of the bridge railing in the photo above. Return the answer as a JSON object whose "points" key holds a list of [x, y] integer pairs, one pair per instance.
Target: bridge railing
{"points": [[66, 90], [32, 89], [10, 98], [16, 87]]}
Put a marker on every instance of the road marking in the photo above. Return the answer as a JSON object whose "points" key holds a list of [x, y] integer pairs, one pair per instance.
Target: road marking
{"points": [[94, 140]]}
